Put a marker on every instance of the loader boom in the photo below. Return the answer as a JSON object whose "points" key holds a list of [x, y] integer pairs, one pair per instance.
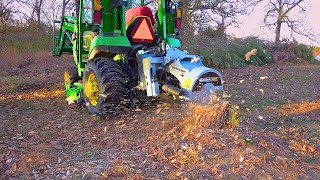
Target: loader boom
{"points": [[68, 26]]}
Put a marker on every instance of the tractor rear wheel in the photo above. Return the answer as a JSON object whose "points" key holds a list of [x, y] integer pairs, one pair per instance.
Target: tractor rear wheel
{"points": [[104, 85]]}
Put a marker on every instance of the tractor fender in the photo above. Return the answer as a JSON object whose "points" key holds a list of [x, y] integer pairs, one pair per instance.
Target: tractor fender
{"points": [[108, 45], [108, 51]]}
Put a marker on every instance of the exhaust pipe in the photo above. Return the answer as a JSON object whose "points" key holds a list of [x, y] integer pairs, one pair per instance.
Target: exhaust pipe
{"points": [[172, 90]]}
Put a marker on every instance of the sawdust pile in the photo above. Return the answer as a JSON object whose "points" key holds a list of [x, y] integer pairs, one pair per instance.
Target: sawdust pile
{"points": [[212, 114], [183, 145]]}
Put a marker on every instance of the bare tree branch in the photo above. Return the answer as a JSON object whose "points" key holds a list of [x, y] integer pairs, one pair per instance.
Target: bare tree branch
{"points": [[279, 13]]}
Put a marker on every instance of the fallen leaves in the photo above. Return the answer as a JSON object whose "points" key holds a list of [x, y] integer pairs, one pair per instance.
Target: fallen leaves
{"points": [[28, 162], [38, 94], [31, 133], [105, 175], [120, 169], [159, 146], [105, 129], [260, 117], [241, 159], [12, 170], [262, 91], [301, 147], [311, 148], [214, 170], [299, 108]]}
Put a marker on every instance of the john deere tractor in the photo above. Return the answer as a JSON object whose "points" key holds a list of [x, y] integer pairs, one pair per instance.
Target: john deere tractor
{"points": [[121, 47]]}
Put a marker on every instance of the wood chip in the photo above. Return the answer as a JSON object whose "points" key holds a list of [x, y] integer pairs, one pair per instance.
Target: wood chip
{"points": [[264, 77]]}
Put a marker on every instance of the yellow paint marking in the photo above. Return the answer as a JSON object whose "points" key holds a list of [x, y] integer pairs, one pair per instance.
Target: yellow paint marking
{"points": [[146, 63], [188, 84], [170, 68]]}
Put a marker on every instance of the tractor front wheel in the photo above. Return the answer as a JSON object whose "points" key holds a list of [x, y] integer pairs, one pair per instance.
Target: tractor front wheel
{"points": [[71, 76], [104, 85]]}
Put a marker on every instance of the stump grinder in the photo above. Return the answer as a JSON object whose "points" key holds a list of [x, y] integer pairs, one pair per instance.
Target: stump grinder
{"points": [[121, 47]]}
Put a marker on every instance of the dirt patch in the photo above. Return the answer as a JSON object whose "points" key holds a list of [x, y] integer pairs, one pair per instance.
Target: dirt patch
{"points": [[29, 87]]}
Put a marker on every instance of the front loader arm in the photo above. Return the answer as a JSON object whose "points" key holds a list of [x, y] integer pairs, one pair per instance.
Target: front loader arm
{"points": [[67, 28]]}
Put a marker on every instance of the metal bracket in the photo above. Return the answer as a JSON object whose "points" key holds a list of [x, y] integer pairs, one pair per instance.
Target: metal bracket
{"points": [[150, 74]]}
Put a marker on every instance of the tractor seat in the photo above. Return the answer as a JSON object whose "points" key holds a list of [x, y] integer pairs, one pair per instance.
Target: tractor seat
{"points": [[139, 23], [132, 13], [87, 38]]}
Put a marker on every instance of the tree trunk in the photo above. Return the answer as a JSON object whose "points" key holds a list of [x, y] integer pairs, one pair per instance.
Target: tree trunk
{"points": [[64, 5], [278, 31], [38, 12], [77, 8]]}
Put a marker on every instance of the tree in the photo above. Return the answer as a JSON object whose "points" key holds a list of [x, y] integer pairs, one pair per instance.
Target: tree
{"points": [[225, 14], [281, 12], [35, 9], [219, 14], [6, 12]]}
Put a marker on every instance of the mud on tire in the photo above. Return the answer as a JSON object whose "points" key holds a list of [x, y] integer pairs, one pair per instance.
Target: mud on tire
{"points": [[111, 85]]}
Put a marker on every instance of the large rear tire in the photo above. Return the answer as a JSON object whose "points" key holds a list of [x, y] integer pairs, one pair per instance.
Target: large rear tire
{"points": [[104, 86]]}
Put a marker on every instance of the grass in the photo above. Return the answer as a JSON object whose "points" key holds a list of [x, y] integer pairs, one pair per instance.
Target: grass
{"points": [[10, 82], [26, 40], [289, 76], [234, 118], [19, 44], [310, 159], [88, 154]]}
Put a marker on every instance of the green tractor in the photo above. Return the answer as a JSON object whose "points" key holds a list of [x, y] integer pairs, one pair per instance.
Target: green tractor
{"points": [[120, 47]]}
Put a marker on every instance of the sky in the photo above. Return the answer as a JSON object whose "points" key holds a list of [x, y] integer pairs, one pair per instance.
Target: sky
{"points": [[252, 24]]}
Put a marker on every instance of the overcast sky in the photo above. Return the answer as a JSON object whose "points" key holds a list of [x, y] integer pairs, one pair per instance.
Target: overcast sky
{"points": [[252, 24]]}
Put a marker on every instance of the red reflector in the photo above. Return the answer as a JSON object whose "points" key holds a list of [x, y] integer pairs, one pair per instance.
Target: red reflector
{"points": [[178, 23], [97, 17], [143, 32]]}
